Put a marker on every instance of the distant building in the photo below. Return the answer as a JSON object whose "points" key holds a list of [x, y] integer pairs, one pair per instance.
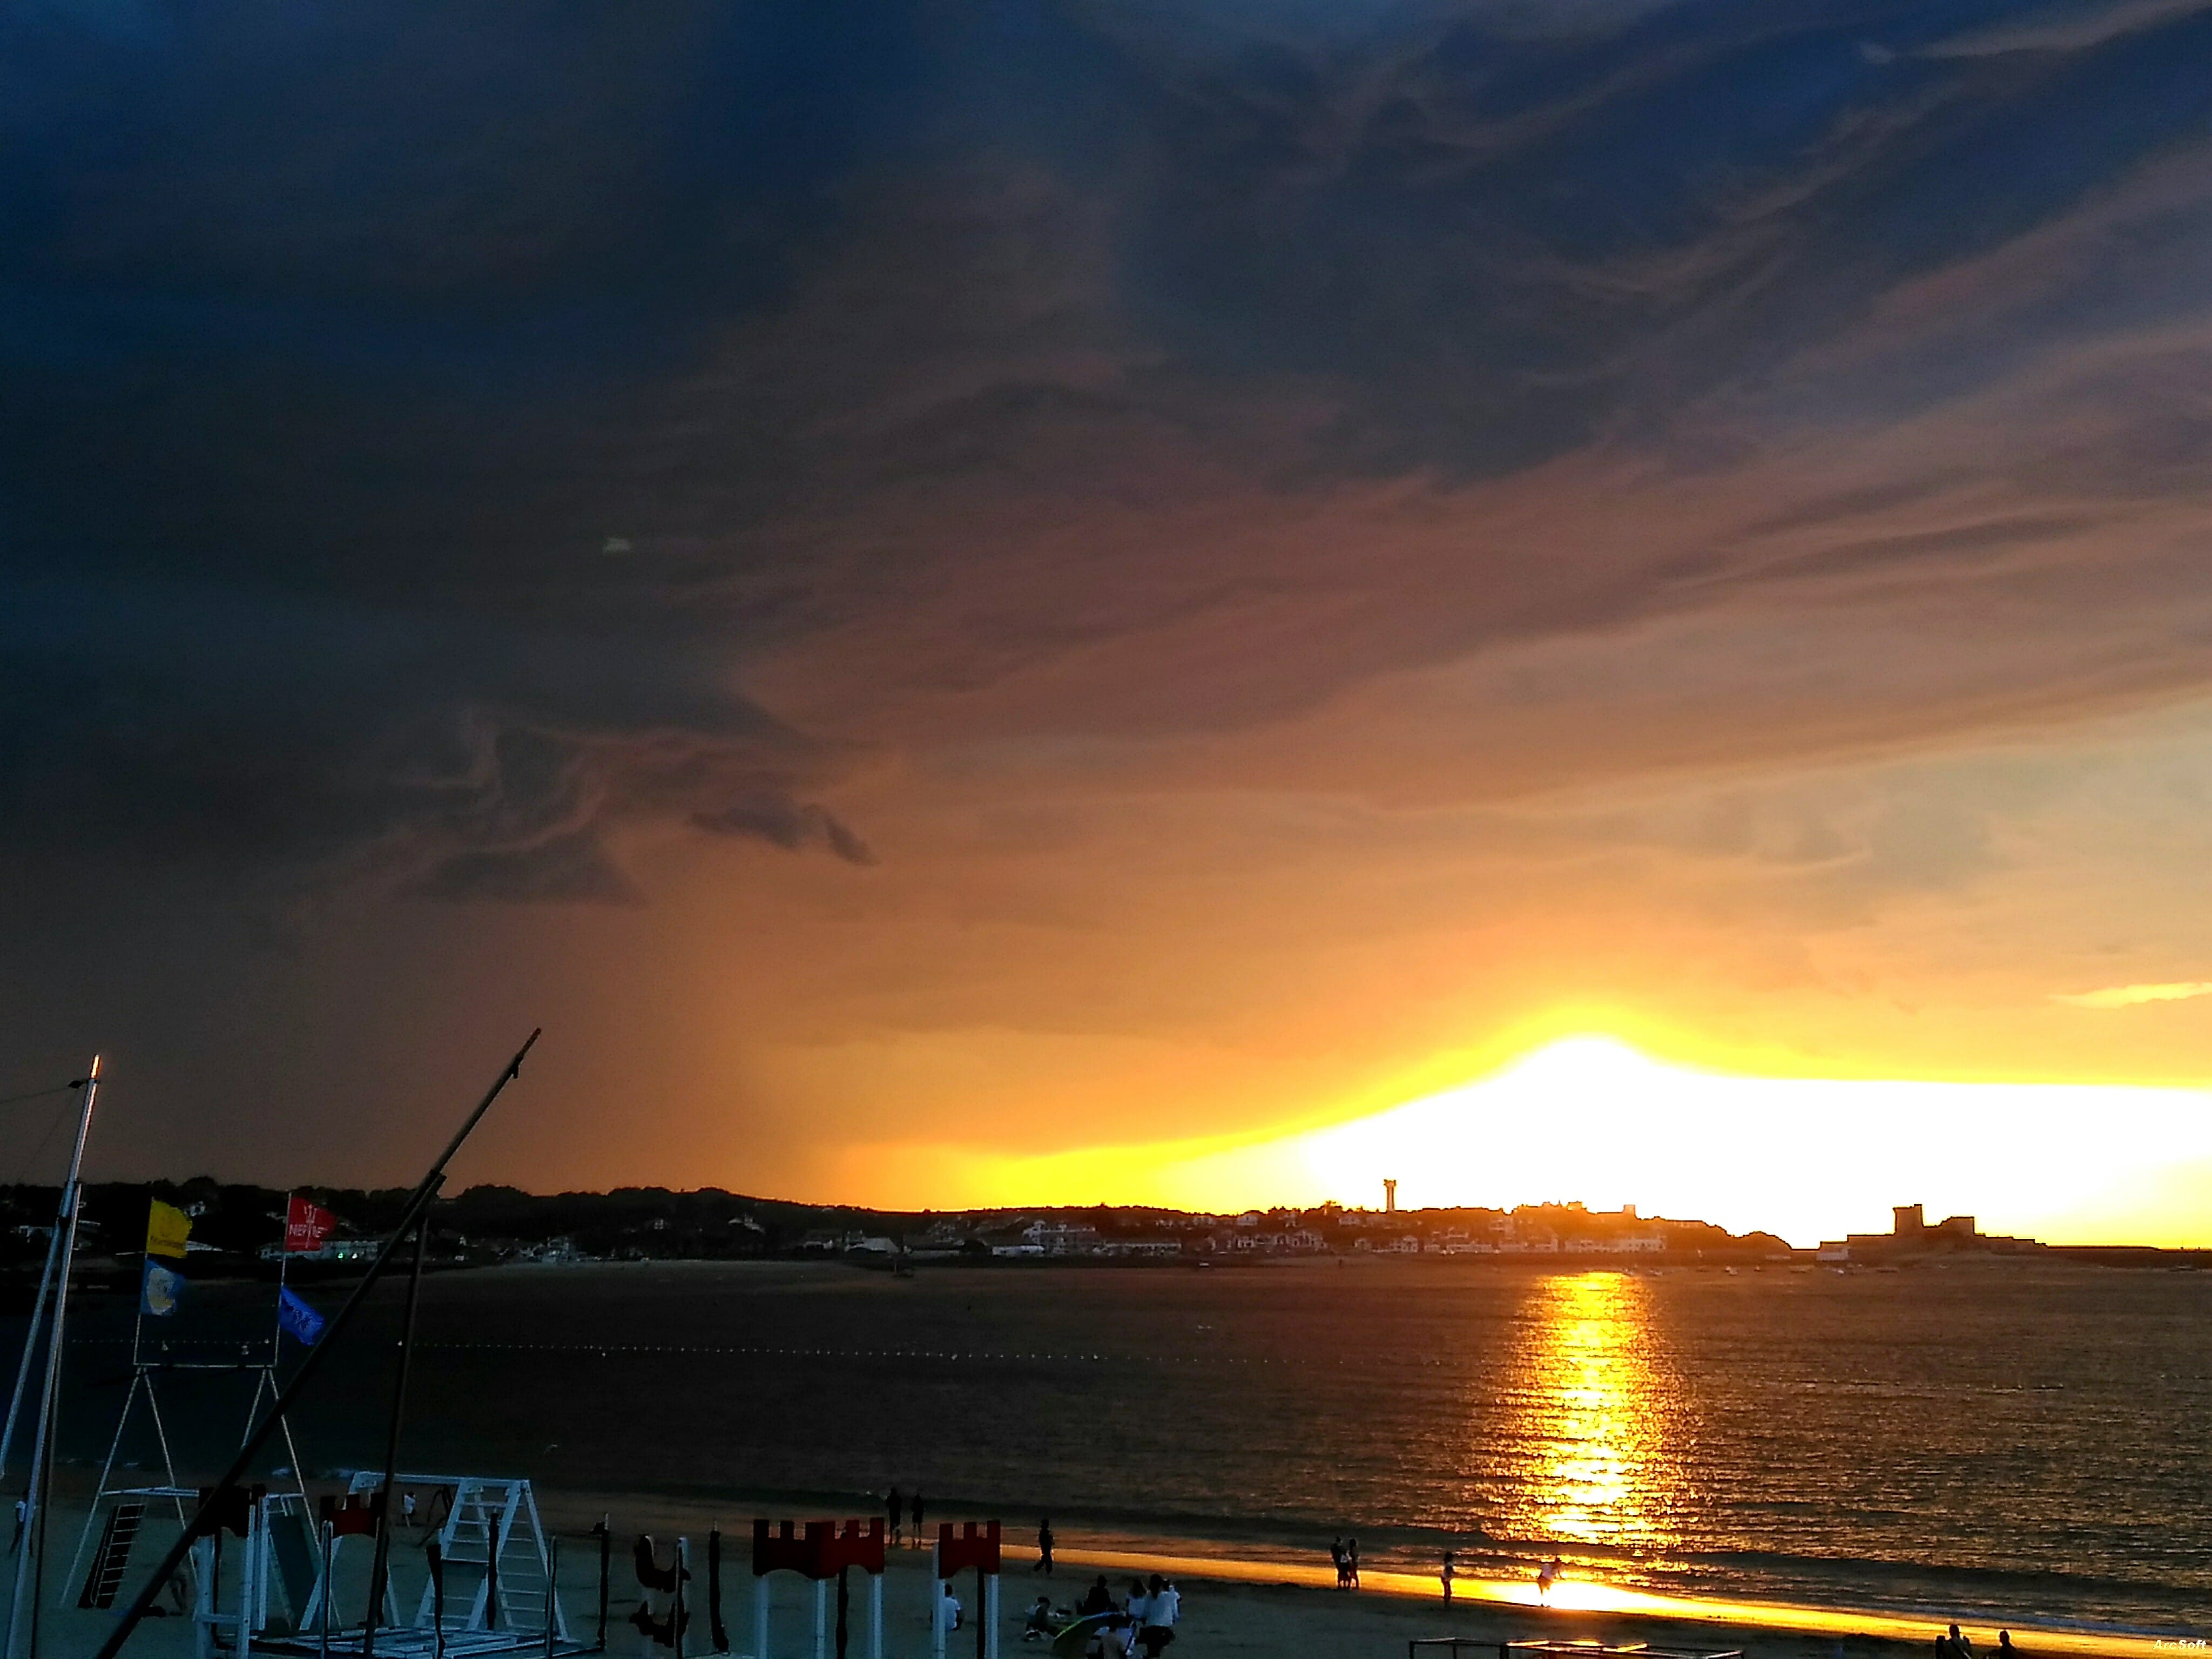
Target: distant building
{"points": [[1062, 1237], [1909, 1236]]}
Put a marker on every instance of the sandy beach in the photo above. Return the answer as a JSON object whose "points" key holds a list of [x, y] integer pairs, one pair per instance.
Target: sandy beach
{"points": [[1232, 1609]]}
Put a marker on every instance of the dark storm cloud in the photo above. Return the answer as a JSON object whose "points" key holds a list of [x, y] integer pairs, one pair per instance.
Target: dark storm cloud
{"points": [[414, 422]]}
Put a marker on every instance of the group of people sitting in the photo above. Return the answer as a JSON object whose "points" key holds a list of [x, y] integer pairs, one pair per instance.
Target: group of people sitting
{"points": [[1144, 1621], [1953, 1645]]}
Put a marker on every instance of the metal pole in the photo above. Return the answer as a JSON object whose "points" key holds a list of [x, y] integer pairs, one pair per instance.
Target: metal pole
{"points": [[42, 1440], [323, 1640], [30, 1343], [381, 1563], [936, 1607], [416, 1204], [676, 1607], [552, 1588], [606, 1553]]}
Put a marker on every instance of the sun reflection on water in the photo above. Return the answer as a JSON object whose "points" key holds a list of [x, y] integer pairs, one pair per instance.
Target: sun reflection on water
{"points": [[1592, 1404]]}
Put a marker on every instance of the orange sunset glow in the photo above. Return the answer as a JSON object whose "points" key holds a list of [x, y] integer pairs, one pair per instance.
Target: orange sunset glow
{"points": [[942, 672]]}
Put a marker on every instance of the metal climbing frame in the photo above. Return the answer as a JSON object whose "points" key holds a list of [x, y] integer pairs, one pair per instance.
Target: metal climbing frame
{"points": [[499, 1594]]}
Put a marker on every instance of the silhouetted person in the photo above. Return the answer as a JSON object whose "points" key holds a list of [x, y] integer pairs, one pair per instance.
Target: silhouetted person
{"points": [[895, 1506], [2005, 1649], [1352, 1561], [1336, 1555], [1548, 1575], [915, 1505], [1098, 1598], [1447, 1575], [1960, 1647], [1162, 1609], [1044, 1547]]}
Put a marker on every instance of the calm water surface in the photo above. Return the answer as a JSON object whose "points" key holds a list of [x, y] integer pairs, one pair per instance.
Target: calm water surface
{"points": [[2022, 1443]]}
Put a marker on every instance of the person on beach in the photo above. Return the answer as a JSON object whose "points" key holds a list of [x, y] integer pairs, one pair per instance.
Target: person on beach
{"points": [[895, 1506], [1097, 1598], [2005, 1649], [1352, 1563], [1447, 1575], [1044, 1547], [1040, 1626], [915, 1505], [1548, 1575], [1336, 1555], [1162, 1608], [1960, 1647], [948, 1606]]}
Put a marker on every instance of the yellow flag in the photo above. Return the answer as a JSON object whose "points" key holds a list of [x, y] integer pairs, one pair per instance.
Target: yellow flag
{"points": [[167, 1227]]}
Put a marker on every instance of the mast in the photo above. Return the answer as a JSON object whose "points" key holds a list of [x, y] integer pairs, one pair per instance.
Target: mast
{"points": [[42, 1441]]}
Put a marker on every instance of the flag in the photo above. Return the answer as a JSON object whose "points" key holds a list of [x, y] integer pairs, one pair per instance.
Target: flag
{"points": [[295, 1316], [159, 1291], [167, 1227], [306, 1225]]}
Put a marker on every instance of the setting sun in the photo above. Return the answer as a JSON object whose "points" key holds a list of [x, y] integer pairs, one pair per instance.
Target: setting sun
{"points": [[1589, 1118]]}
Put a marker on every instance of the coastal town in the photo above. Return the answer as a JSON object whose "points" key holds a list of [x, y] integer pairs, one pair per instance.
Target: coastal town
{"points": [[236, 1229]]}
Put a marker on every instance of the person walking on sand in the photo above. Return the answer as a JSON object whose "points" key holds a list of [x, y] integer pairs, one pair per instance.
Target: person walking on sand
{"points": [[895, 1506], [1044, 1547], [1162, 1609], [1447, 1575]]}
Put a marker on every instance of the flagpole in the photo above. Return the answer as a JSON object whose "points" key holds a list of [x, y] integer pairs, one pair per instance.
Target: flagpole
{"points": [[42, 1440], [416, 1204], [283, 1263]]}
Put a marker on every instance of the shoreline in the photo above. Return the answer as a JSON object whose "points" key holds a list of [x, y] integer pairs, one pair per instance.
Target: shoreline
{"points": [[1584, 1603]]}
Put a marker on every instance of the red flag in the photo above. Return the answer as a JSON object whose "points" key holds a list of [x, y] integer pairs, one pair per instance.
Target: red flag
{"points": [[306, 1225]]}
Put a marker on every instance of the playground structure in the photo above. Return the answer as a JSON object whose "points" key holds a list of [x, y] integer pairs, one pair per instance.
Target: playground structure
{"points": [[492, 1590], [280, 1542], [821, 1552], [975, 1546]]}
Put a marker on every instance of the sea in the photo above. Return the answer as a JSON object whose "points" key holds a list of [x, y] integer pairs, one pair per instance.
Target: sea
{"points": [[1987, 1441]]}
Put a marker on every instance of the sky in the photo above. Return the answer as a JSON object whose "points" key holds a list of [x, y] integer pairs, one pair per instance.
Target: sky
{"points": [[1031, 601]]}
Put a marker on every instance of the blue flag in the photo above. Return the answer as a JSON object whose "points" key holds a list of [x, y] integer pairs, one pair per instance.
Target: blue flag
{"points": [[159, 1290], [296, 1318]]}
